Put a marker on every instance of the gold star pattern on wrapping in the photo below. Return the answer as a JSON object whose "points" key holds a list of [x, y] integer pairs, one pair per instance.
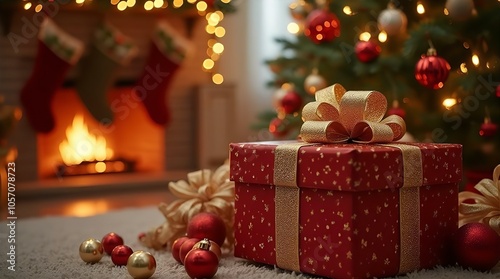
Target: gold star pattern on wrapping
{"points": [[203, 191]]}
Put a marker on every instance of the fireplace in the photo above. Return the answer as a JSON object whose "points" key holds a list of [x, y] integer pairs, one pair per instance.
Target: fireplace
{"points": [[80, 145]]}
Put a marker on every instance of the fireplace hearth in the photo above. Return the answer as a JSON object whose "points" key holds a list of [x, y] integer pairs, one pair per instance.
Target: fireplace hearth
{"points": [[79, 145]]}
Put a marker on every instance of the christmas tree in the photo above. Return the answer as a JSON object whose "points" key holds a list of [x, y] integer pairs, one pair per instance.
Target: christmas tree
{"points": [[437, 63]]}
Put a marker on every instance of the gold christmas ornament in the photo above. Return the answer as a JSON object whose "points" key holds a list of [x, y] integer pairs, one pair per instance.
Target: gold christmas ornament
{"points": [[91, 250], [460, 9], [141, 265], [393, 21], [314, 82], [300, 9], [203, 191]]}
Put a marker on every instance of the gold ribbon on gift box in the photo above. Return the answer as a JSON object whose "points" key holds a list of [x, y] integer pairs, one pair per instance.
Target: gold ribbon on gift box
{"points": [[337, 116], [486, 208]]}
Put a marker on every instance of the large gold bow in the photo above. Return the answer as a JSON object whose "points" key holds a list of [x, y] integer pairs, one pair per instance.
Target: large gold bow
{"points": [[203, 192], [486, 208], [338, 116]]}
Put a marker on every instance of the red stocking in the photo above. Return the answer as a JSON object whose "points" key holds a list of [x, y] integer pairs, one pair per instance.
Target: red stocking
{"points": [[167, 52], [57, 52]]}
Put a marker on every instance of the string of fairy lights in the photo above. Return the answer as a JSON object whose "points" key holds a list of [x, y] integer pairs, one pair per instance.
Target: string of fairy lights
{"points": [[213, 27]]}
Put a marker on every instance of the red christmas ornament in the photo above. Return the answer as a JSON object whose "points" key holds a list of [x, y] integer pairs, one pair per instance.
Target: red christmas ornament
{"points": [[396, 110], [488, 128], [322, 26], [498, 91], [213, 247], [186, 247], [110, 241], [291, 102], [431, 70], [207, 225], [278, 128], [176, 247], [201, 262], [141, 235], [477, 246], [367, 51], [120, 254]]}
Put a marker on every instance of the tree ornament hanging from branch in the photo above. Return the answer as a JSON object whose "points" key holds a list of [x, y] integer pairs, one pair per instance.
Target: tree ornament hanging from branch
{"points": [[460, 10], [322, 25], [432, 70], [314, 82], [392, 21]]}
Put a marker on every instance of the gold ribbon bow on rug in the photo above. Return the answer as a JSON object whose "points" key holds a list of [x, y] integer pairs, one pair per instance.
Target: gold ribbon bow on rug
{"points": [[486, 208], [203, 192], [338, 116]]}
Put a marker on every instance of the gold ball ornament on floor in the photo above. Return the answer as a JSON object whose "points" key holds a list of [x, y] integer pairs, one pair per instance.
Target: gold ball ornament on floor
{"points": [[91, 250], [141, 265]]}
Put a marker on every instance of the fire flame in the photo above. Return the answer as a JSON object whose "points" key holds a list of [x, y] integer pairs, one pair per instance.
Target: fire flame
{"points": [[80, 145]]}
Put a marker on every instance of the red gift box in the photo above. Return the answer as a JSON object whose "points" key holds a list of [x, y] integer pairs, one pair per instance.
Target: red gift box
{"points": [[346, 210]]}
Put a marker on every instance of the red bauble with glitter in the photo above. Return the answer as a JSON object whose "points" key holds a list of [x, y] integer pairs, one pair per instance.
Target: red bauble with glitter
{"points": [[291, 102], [110, 241], [186, 246], [477, 246], [431, 70], [201, 263], [322, 26], [176, 247], [120, 254], [488, 129], [207, 225], [367, 51]]}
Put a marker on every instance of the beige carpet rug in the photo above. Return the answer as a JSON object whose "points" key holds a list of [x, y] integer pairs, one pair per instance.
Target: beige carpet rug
{"points": [[48, 248]]}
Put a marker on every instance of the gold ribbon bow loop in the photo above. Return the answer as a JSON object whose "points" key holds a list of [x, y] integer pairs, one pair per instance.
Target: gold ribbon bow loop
{"points": [[338, 115], [486, 208]]}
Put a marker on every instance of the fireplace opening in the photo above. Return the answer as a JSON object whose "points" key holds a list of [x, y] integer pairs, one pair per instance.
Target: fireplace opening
{"points": [[80, 145], [83, 152]]}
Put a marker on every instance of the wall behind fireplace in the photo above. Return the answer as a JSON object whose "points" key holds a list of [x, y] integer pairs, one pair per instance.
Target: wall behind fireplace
{"points": [[16, 65]]}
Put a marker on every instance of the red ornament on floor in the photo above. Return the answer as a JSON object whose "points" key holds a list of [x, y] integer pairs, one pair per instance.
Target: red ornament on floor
{"points": [[213, 247], [367, 51], [477, 246], [120, 254], [110, 241], [207, 225], [186, 247], [201, 262], [176, 247], [431, 70]]}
